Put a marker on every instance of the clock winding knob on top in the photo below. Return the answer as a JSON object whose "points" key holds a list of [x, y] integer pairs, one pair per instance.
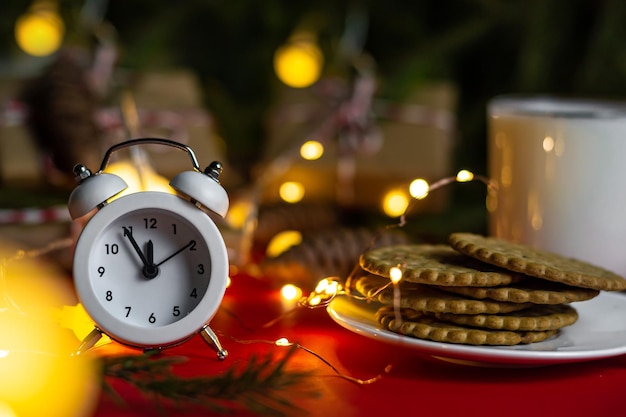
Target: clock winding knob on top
{"points": [[81, 173], [214, 170]]}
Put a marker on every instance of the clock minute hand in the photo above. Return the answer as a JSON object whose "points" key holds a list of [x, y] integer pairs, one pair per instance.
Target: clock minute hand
{"points": [[191, 242], [129, 235]]}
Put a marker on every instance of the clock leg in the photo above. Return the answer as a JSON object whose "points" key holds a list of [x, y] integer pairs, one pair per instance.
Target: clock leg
{"points": [[211, 338], [89, 341]]}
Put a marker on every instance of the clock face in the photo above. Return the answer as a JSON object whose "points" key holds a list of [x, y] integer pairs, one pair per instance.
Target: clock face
{"points": [[150, 268]]}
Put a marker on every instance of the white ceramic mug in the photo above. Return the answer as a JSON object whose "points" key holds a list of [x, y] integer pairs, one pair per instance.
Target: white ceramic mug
{"points": [[559, 167]]}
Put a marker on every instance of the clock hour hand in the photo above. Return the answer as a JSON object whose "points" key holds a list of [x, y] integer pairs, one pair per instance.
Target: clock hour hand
{"points": [[191, 242], [150, 270], [150, 253]]}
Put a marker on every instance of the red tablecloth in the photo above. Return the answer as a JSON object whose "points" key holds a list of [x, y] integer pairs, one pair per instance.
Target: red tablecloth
{"points": [[414, 385]]}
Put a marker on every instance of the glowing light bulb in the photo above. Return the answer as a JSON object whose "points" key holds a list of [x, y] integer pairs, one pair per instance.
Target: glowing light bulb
{"points": [[40, 31], [395, 274], [283, 241], [321, 286], [419, 188], [311, 150], [298, 63], [395, 203], [290, 292], [464, 176], [327, 286], [291, 191], [283, 341], [314, 300]]}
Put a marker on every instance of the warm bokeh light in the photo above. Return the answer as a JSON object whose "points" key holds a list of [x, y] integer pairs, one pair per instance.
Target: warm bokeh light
{"points": [[239, 213], [76, 319], [142, 178], [419, 188], [311, 150], [298, 63], [548, 144], [395, 274], [283, 341], [40, 376], [291, 191], [283, 241], [464, 176], [395, 203], [40, 31], [290, 292], [6, 410], [314, 300], [327, 286]]}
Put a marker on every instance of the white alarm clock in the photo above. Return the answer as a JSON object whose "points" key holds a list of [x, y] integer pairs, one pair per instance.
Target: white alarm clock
{"points": [[150, 268]]}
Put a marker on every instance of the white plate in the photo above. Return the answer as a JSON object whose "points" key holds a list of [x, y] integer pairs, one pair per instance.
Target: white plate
{"points": [[600, 332]]}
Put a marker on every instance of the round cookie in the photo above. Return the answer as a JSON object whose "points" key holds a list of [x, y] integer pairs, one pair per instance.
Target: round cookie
{"points": [[418, 325], [536, 291], [434, 265], [537, 318], [425, 298], [536, 262]]}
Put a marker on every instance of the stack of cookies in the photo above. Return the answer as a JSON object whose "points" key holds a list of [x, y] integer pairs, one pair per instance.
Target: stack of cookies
{"points": [[479, 290]]}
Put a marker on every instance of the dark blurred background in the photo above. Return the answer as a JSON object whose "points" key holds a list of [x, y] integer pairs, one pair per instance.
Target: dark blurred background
{"points": [[482, 47]]}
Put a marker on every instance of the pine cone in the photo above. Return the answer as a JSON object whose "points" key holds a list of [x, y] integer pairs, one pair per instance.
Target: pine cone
{"points": [[61, 114], [327, 253]]}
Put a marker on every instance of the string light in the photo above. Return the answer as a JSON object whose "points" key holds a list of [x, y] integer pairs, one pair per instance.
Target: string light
{"points": [[395, 274], [395, 202], [314, 300], [419, 188], [39, 32], [325, 290], [290, 292], [298, 63], [464, 176], [291, 191], [311, 150], [284, 342]]}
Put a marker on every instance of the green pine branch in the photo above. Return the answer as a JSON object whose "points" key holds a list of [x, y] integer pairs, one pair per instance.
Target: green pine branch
{"points": [[259, 387]]}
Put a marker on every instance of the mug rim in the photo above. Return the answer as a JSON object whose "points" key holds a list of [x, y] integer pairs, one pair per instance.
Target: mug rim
{"points": [[553, 106]]}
